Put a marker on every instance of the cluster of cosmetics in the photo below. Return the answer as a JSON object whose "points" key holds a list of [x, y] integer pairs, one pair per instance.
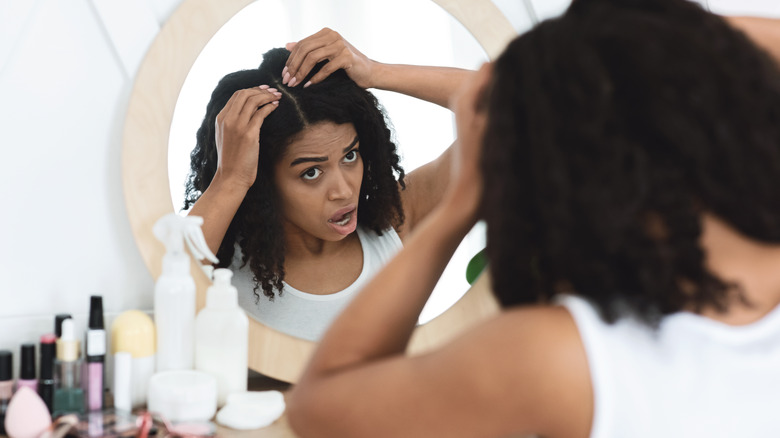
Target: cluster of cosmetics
{"points": [[68, 382], [182, 366]]}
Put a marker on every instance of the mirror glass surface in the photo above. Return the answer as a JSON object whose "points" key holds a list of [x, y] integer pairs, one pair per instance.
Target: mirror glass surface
{"points": [[401, 31]]}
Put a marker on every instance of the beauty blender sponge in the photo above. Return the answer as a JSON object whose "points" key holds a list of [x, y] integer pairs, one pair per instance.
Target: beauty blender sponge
{"points": [[27, 416]]}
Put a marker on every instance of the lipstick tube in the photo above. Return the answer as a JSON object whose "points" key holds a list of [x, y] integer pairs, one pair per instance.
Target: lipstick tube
{"points": [[96, 354], [46, 383]]}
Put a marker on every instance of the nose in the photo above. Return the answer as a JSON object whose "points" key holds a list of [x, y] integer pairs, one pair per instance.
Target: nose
{"points": [[340, 187]]}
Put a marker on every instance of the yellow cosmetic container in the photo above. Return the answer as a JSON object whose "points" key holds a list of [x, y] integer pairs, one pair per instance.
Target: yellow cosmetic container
{"points": [[133, 332]]}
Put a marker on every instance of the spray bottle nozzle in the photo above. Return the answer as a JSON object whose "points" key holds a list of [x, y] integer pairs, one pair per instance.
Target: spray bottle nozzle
{"points": [[173, 230]]}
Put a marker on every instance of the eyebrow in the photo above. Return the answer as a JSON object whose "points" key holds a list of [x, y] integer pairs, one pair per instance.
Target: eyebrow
{"points": [[298, 161]]}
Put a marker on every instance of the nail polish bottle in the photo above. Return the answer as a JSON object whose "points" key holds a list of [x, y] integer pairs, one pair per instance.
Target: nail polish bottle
{"points": [[68, 394], [46, 383], [6, 385], [27, 374]]}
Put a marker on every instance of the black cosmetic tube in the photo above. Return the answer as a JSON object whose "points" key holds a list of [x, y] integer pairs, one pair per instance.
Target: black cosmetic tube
{"points": [[46, 382]]}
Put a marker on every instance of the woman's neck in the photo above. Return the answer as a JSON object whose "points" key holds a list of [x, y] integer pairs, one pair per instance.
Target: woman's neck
{"points": [[319, 266], [753, 265], [302, 245]]}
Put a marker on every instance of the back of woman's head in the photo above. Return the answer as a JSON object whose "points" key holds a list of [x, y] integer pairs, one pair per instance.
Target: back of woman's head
{"points": [[257, 226], [611, 130]]}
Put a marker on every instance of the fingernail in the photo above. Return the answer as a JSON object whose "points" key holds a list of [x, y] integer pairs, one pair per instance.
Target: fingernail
{"points": [[284, 72], [306, 84], [277, 94], [285, 77], [293, 81], [263, 87], [271, 90], [275, 102]]}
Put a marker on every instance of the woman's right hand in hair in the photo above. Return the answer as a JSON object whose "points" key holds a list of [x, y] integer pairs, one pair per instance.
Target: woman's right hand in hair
{"points": [[470, 109], [237, 134], [327, 45]]}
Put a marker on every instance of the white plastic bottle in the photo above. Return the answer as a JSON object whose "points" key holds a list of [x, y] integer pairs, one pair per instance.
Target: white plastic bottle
{"points": [[174, 292], [222, 337]]}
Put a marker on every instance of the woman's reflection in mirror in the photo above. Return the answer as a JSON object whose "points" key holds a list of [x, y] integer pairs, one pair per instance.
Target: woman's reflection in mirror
{"points": [[298, 180]]}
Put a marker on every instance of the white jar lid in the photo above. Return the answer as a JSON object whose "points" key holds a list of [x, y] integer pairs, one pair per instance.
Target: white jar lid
{"points": [[183, 395]]}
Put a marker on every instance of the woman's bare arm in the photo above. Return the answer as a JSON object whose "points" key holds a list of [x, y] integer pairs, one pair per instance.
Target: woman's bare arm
{"points": [[432, 84], [765, 32]]}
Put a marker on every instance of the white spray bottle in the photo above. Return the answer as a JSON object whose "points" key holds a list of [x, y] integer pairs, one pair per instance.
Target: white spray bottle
{"points": [[174, 292], [222, 337]]}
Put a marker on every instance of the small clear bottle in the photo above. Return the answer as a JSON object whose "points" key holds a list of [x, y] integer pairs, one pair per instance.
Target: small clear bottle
{"points": [[68, 393]]}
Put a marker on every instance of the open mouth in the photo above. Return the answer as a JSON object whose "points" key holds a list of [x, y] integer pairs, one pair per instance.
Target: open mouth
{"points": [[343, 220]]}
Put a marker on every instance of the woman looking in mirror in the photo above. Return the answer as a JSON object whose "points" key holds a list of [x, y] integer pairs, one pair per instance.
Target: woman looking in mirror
{"points": [[322, 203], [625, 157]]}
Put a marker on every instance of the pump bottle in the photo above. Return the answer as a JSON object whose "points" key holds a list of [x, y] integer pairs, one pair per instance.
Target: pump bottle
{"points": [[222, 337], [174, 292]]}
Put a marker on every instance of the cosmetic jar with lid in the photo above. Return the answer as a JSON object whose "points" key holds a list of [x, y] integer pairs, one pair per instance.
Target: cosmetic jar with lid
{"points": [[183, 395]]}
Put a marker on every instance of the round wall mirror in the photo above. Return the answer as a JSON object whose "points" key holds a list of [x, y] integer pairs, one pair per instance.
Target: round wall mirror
{"points": [[204, 40]]}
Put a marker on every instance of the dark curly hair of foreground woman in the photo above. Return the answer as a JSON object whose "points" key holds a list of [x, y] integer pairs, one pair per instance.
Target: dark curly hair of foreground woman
{"points": [[257, 225], [620, 130]]}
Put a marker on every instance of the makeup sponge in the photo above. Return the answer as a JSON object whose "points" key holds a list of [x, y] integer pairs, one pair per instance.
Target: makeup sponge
{"points": [[27, 416]]}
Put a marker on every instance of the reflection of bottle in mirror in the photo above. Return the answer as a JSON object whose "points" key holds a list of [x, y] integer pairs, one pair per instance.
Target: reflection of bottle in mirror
{"points": [[222, 337], [174, 292], [68, 394]]}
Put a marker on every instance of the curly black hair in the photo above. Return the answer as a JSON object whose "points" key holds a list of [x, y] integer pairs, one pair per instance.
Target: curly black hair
{"points": [[611, 130], [257, 225]]}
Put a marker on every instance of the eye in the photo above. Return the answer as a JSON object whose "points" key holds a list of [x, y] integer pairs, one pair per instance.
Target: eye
{"points": [[351, 156], [311, 174]]}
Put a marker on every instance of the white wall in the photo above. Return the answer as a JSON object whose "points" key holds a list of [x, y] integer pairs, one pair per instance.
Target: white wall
{"points": [[66, 71]]}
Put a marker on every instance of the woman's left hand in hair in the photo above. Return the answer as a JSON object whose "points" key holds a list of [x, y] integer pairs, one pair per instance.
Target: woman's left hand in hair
{"points": [[324, 45]]}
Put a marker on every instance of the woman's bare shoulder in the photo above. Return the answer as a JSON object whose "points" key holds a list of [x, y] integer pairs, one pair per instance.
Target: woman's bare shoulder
{"points": [[522, 372], [529, 366]]}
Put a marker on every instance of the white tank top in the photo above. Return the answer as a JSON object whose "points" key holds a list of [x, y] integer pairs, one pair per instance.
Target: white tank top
{"points": [[306, 315], [693, 377]]}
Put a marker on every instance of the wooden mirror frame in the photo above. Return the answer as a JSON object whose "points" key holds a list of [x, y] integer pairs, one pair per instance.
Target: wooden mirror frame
{"points": [[145, 167]]}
